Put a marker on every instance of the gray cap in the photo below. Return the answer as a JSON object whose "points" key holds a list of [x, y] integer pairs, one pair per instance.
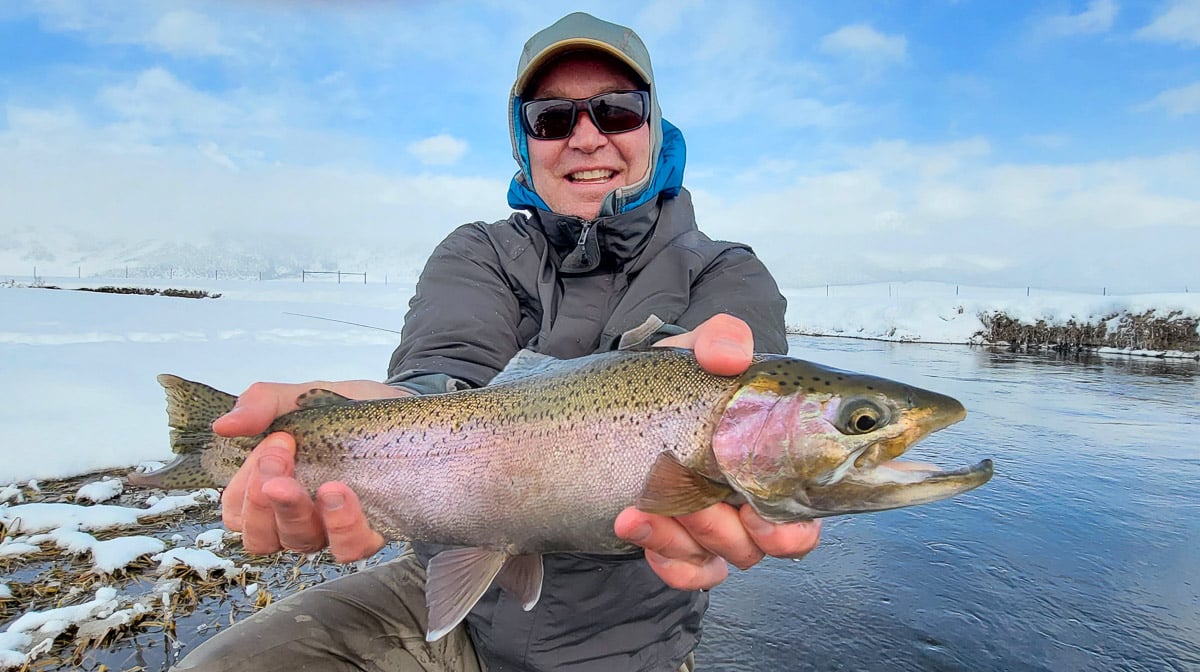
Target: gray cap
{"points": [[578, 32], [581, 32]]}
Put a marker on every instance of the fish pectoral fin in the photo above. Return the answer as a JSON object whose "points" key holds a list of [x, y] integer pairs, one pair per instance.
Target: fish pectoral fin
{"points": [[521, 577], [673, 489], [321, 398], [456, 579]]}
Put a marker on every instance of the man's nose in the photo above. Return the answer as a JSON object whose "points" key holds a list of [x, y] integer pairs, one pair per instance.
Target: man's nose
{"points": [[586, 137]]}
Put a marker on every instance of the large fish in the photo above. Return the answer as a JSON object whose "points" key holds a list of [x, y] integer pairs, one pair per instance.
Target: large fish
{"points": [[545, 457]]}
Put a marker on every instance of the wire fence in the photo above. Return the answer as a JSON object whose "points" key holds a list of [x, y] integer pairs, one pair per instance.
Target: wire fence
{"points": [[44, 273]]}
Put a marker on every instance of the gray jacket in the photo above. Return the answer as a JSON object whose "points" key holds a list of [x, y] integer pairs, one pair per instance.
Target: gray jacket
{"points": [[489, 290]]}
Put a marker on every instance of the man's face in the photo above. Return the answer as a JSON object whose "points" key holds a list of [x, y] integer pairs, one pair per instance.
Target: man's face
{"points": [[575, 173]]}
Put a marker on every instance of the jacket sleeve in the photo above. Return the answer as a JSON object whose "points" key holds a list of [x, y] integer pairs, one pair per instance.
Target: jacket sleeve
{"points": [[738, 283], [462, 323]]}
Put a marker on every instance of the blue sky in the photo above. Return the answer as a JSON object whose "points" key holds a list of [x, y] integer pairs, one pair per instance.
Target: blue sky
{"points": [[1011, 143]]}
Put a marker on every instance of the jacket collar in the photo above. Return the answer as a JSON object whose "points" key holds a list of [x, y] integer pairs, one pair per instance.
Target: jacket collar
{"points": [[582, 246]]}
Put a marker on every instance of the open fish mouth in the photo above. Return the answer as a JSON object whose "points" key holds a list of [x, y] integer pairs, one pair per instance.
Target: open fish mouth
{"points": [[894, 484]]}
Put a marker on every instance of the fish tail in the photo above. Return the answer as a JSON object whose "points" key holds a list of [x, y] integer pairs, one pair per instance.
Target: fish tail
{"points": [[191, 409]]}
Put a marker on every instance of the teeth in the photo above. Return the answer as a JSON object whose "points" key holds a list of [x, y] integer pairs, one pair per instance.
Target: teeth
{"points": [[591, 175]]}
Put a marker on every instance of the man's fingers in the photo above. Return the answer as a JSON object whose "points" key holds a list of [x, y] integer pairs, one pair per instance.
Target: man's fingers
{"points": [[719, 529], [687, 575], [724, 345], [660, 534], [297, 523], [233, 499], [273, 458], [257, 408], [789, 540], [350, 535]]}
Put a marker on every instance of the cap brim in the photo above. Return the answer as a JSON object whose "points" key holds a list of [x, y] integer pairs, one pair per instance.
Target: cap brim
{"points": [[574, 44]]}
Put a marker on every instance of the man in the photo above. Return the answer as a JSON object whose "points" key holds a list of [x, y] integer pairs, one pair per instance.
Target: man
{"points": [[608, 251]]}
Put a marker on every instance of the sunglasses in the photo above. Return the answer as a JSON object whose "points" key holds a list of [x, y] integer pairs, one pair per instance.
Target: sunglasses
{"points": [[612, 112]]}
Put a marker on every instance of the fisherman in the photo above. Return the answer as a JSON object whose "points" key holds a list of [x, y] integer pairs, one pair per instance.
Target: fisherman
{"points": [[605, 253]]}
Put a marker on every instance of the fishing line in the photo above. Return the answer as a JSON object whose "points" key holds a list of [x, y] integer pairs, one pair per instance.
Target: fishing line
{"points": [[330, 319]]}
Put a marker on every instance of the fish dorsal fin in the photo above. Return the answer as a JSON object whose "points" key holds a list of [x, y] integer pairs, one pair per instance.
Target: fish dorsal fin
{"points": [[522, 578], [673, 489], [524, 364], [320, 398], [456, 579]]}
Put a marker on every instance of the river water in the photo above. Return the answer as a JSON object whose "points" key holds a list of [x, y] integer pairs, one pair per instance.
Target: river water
{"points": [[1082, 553]]}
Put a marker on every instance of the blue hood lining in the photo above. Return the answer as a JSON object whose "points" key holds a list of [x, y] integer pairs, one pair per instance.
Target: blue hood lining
{"points": [[666, 179]]}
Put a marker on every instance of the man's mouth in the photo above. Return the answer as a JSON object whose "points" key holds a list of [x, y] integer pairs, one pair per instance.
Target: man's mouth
{"points": [[591, 176]]}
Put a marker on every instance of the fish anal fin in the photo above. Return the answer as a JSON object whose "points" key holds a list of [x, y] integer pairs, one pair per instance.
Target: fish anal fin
{"points": [[456, 579], [321, 398], [522, 578], [673, 488]]}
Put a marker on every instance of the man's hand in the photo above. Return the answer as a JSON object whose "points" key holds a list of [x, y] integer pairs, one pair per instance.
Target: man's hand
{"points": [[268, 505], [693, 551]]}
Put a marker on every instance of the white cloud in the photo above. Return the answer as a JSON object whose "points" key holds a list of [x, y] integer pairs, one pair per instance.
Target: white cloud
{"points": [[187, 33], [159, 103], [864, 41], [1097, 18], [951, 212], [122, 191], [1178, 102], [439, 150], [1180, 22]]}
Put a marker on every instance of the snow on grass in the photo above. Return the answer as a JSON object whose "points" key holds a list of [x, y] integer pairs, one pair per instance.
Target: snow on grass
{"points": [[202, 561], [100, 491]]}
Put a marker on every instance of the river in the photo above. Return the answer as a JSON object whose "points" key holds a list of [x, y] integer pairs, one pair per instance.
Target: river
{"points": [[1082, 553]]}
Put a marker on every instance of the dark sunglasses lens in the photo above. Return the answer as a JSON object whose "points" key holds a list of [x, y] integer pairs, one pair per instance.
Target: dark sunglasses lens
{"points": [[619, 111], [549, 119]]}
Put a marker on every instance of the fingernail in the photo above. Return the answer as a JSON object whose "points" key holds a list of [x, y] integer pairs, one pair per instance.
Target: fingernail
{"points": [[759, 527], [333, 501], [270, 467], [640, 533]]}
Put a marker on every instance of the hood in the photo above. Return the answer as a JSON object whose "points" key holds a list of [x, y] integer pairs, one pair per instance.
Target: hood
{"points": [[580, 31]]}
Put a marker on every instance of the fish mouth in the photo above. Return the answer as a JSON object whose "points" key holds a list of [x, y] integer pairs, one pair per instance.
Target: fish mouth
{"points": [[894, 484]]}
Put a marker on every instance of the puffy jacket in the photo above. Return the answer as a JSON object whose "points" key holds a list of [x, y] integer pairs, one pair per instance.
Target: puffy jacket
{"points": [[489, 290]]}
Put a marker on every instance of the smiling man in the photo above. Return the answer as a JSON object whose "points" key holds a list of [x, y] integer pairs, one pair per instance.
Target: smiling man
{"points": [[603, 253]]}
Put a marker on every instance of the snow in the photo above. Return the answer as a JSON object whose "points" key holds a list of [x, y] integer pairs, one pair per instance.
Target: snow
{"points": [[100, 491], [80, 393]]}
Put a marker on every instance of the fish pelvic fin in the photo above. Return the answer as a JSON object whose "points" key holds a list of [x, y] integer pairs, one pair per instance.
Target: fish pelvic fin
{"points": [[191, 409], [455, 580], [673, 488], [522, 578]]}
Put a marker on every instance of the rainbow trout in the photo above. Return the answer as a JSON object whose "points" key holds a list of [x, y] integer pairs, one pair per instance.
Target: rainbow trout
{"points": [[545, 457]]}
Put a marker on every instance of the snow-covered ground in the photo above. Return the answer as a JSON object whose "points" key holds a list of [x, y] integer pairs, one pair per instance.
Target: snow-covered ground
{"points": [[79, 393]]}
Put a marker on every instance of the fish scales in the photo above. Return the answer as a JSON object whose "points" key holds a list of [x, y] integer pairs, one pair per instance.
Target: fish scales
{"points": [[518, 466], [545, 458]]}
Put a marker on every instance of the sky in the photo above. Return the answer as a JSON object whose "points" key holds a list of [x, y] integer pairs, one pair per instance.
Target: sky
{"points": [[1048, 144]]}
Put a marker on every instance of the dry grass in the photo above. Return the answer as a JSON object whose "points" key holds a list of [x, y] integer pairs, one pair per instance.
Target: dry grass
{"points": [[154, 640]]}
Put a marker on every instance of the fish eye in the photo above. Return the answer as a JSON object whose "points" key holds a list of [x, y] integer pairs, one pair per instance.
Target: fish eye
{"points": [[862, 416]]}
